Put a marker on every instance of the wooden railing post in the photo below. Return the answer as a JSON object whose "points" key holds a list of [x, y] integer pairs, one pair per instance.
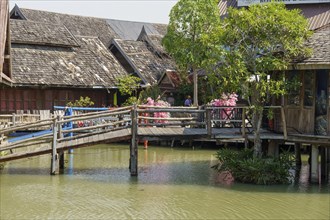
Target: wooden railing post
{"points": [[285, 133], [13, 119], [59, 136], [243, 121], [54, 160], [133, 161], [208, 122]]}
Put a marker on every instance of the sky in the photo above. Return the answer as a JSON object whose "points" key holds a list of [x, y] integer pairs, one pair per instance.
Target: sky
{"points": [[154, 11]]}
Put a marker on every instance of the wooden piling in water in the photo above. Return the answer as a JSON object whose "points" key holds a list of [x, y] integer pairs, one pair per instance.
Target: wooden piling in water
{"points": [[314, 171], [134, 144], [323, 167], [55, 159], [297, 150]]}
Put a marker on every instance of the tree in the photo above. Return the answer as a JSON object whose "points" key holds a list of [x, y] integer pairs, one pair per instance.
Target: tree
{"points": [[258, 40], [82, 102], [191, 33], [129, 85]]}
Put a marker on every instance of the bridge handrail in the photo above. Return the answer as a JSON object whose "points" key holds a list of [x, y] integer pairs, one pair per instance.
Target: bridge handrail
{"points": [[38, 123], [86, 117], [114, 110]]}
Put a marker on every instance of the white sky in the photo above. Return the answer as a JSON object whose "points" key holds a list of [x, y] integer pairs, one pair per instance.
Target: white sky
{"points": [[155, 11]]}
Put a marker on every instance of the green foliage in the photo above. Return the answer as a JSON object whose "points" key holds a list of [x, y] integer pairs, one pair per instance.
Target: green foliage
{"points": [[246, 168], [82, 102], [192, 31], [259, 39], [152, 92], [128, 85], [193, 35], [130, 101]]}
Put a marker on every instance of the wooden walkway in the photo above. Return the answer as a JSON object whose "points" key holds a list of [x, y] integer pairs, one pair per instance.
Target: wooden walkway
{"points": [[136, 123]]}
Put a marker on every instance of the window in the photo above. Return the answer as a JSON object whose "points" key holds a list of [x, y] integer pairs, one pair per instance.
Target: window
{"points": [[308, 88]]}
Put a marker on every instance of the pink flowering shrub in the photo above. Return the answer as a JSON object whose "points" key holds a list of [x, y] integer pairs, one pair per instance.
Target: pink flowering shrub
{"points": [[159, 102], [225, 100]]}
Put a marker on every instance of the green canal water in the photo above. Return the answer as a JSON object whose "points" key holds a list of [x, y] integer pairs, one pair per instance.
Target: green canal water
{"points": [[172, 183]]}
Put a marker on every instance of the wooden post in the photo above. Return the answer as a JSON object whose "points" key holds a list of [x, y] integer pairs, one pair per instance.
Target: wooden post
{"points": [[14, 119], [323, 166], [285, 133], [273, 149], [60, 135], [208, 122], [297, 151], [134, 144], [314, 175], [243, 122], [54, 161]]}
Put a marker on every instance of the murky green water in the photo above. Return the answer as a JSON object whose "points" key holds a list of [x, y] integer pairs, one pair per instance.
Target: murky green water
{"points": [[172, 183]]}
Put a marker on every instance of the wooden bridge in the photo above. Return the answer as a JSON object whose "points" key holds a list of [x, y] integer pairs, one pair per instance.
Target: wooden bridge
{"points": [[134, 123]]}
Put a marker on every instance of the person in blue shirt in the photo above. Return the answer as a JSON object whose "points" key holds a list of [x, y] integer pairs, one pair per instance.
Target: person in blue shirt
{"points": [[188, 101]]}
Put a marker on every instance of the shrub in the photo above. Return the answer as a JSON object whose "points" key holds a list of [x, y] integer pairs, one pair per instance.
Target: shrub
{"points": [[248, 169]]}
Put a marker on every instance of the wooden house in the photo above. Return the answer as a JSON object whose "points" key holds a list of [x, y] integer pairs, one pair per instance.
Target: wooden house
{"points": [[307, 108], [56, 58]]}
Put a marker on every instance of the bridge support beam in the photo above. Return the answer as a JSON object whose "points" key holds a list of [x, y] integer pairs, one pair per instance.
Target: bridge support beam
{"points": [[314, 171]]}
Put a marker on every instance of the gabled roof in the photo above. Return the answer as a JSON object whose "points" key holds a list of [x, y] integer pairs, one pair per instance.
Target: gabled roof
{"points": [[130, 30], [61, 46], [169, 81], [36, 33], [90, 65], [146, 64], [153, 41]]}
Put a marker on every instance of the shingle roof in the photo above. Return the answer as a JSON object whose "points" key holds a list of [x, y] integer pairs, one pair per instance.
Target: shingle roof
{"points": [[83, 66], [89, 65], [77, 25], [147, 64], [36, 33], [320, 44]]}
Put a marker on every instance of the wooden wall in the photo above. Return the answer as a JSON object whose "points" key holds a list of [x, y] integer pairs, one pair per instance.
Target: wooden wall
{"points": [[12, 99], [3, 30], [300, 107], [329, 105]]}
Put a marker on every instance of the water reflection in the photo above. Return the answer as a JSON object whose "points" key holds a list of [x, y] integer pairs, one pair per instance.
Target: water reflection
{"points": [[172, 183]]}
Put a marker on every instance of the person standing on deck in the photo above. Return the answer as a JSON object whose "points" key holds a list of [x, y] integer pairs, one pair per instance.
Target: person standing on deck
{"points": [[188, 101]]}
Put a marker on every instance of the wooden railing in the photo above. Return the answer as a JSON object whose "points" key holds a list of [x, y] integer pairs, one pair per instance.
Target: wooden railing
{"points": [[65, 128]]}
